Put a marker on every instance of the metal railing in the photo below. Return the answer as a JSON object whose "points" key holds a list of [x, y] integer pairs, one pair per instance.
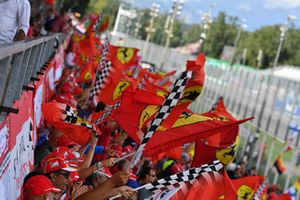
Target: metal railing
{"points": [[243, 90], [20, 63]]}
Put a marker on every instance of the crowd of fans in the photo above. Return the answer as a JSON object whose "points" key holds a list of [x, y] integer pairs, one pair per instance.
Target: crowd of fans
{"points": [[97, 170]]}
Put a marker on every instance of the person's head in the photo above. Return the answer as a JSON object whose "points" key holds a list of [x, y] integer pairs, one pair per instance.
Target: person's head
{"points": [[58, 170], [39, 187], [147, 175]]}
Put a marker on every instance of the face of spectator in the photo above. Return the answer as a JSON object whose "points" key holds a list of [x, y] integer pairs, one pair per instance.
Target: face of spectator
{"points": [[60, 179], [48, 196], [151, 177]]}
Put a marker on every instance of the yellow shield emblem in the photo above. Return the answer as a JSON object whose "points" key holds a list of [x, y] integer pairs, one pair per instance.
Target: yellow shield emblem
{"points": [[122, 85], [87, 76], [147, 113], [124, 55], [245, 192]]}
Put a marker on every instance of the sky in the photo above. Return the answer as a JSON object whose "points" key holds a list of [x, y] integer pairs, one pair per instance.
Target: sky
{"points": [[256, 13]]}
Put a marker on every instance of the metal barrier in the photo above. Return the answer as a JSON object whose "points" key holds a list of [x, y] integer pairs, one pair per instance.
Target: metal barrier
{"points": [[243, 90], [20, 63]]}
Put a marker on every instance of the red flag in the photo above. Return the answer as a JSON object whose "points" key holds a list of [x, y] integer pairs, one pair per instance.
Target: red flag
{"points": [[220, 146], [122, 58], [58, 115], [188, 128], [279, 166], [191, 92], [133, 114], [87, 73], [247, 186], [208, 187], [205, 153]]}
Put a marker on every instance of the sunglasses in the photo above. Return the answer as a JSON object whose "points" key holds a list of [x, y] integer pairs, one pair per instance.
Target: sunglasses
{"points": [[66, 175]]}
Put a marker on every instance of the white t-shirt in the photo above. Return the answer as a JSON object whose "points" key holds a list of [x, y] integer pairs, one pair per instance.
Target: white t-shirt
{"points": [[14, 15]]}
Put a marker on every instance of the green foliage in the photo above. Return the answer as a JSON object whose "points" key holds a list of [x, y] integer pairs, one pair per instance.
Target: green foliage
{"points": [[109, 7], [223, 31], [75, 6]]}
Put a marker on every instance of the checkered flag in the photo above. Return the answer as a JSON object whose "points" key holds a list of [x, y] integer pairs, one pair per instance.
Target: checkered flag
{"points": [[107, 112], [103, 72], [163, 113], [187, 176], [71, 117], [259, 192]]}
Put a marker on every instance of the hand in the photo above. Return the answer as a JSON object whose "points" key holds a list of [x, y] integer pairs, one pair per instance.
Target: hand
{"points": [[77, 190], [125, 191], [93, 140], [111, 153], [108, 162], [120, 178]]}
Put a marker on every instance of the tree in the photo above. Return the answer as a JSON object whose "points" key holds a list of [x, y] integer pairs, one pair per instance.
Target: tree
{"points": [[75, 6], [108, 7], [222, 32]]}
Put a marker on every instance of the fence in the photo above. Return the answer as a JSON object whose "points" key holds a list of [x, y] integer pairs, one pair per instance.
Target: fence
{"points": [[29, 71], [20, 64], [275, 103]]}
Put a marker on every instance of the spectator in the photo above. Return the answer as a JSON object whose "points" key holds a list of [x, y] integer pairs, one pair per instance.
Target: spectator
{"points": [[39, 187], [14, 20]]}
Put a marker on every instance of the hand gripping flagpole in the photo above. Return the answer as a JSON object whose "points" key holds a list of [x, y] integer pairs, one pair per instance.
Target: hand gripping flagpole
{"points": [[162, 114]]}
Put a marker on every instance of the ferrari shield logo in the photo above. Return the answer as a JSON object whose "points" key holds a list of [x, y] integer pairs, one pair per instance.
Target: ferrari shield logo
{"points": [[124, 55]]}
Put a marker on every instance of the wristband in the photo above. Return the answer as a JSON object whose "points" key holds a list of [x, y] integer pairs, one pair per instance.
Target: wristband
{"points": [[99, 165]]}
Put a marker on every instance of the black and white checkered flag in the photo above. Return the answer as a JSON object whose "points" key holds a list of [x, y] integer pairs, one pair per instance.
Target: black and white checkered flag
{"points": [[185, 176], [71, 117], [107, 112], [163, 113], [258, 194], [103, 71]]}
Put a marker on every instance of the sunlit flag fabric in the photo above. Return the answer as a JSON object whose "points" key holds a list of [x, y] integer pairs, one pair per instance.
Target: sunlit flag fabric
{"points": [[64, 118], [120, 59], [205, 173], [206, 153], [192, 90], [247, 186], [133, 113], [220, 146], [214, 187], [87, 73], [189, 128]]}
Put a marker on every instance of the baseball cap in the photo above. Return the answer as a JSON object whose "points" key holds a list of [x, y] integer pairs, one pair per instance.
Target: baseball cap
{"points": [[58, 163], [38, 185]]}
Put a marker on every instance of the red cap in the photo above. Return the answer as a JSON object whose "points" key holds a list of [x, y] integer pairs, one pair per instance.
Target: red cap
{"points": [[74, 176], [65, 141], [38, 185], [58, 163], [66, 98]]}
